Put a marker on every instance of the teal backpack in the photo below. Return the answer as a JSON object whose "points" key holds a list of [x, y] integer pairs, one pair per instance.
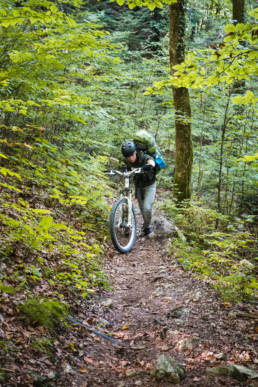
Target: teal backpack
{"points": [[145, 142]]}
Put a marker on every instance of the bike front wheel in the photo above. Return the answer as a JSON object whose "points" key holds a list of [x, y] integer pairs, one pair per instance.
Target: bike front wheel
{"points": [[123, 226]]}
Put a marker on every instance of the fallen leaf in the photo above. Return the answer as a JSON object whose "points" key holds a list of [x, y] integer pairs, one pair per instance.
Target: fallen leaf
{"points": [[244, 356], [83, 370], [207, 355]]}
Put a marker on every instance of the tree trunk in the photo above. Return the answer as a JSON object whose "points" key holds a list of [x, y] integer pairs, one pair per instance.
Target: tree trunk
{"points": [[221, 156], [238, 11], [184, 149]]}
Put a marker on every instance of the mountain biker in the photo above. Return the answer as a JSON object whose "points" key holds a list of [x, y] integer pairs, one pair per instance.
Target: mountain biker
{"points": [[145, 183]]}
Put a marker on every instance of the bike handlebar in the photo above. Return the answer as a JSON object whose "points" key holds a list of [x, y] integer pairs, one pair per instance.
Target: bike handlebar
{"points": [[113, 172]]}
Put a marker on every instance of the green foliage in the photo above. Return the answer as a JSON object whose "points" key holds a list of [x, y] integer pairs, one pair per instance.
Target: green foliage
{"points": [[59, 184], [226, 257], [63, 71], [41, 81], [6, 289], [48, 313], [141, 31], [151, 4], [73, 78], [230, 61], [43, 345], [213, 74]]}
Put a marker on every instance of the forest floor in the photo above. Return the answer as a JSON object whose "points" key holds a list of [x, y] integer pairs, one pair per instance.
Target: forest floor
{"points": [[154, 307]]}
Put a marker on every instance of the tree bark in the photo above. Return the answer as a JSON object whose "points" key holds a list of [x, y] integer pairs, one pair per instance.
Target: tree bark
{"points": [[221, 155], [238, 12], [184, 149]]}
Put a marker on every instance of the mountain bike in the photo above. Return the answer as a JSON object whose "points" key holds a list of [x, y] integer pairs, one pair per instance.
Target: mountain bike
{"points": [[122, 220]]}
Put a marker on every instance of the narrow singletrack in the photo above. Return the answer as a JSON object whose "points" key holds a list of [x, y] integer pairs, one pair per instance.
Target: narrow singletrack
{"points": [[155, 307]]}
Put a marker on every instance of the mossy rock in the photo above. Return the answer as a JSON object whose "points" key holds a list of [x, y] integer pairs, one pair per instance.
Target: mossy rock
{"points": [[236, 371], [49, 313], [168, 369]]}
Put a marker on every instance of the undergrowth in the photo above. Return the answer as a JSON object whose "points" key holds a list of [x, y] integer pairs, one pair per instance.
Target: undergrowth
{"points": [[48, 313], [224, 255], [53, 220]]}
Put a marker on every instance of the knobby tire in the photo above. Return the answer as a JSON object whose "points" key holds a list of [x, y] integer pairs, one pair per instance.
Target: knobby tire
{"points": [[113, 232]]}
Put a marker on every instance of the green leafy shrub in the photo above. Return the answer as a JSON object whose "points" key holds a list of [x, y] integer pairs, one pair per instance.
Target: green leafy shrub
{"points": [[49, 313], [6, 288], [57, 213], [225, 257]]}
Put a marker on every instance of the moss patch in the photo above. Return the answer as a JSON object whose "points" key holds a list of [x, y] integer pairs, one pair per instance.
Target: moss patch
{"points": [[7, 289], [49, 313], [43, 345]]}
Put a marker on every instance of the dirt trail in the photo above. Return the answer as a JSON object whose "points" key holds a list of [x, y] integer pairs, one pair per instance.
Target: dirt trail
{"points": [[156, 308], [153, 308]]}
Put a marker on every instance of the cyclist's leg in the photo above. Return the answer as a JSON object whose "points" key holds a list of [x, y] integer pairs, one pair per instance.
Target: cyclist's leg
{"points": [[140, 198], [149, 196]]}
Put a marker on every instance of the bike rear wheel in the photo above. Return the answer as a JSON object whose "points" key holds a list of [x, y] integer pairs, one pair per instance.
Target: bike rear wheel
{"points": [[123, 232]]}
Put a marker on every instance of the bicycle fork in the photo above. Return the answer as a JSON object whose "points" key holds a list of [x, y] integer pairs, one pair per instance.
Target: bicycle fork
{"points": [[125, 216]]}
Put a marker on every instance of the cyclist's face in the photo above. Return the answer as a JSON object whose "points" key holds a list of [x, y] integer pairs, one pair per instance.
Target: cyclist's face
{"points": [[132, 158]]}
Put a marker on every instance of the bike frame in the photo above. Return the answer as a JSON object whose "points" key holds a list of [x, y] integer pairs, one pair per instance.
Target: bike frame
{"points": [[126, 192]]}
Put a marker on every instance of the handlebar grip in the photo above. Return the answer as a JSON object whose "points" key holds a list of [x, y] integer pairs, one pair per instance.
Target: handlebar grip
{"points": [[111, 172]]}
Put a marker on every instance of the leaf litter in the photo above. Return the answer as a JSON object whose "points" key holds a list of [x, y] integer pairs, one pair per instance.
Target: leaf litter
{"points": [[154, 308]]}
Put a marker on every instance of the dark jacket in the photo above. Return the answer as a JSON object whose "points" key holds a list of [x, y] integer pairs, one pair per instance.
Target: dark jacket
{"points": [[143, 179]]}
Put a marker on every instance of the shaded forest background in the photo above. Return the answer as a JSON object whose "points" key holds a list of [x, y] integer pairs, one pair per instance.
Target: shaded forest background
{"points": [[76, 81]]}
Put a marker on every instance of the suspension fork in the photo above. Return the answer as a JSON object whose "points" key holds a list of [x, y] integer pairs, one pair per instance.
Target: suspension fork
{"points": [[126, 193]]}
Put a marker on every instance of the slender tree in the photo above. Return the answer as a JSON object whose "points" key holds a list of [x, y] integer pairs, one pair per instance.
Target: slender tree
{"points": [[221, 153], [238, 11], [184, 149]]}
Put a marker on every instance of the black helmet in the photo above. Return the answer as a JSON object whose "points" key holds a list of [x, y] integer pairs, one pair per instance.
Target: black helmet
{"points": [[128, 148]]}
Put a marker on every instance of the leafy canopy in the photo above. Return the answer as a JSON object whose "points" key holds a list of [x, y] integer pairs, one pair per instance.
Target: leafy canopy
{"points": [[232, 60], [40, 48], [151, 4]]}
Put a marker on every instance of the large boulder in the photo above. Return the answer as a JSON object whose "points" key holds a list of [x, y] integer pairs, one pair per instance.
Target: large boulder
{"points": [[162, 227]]}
